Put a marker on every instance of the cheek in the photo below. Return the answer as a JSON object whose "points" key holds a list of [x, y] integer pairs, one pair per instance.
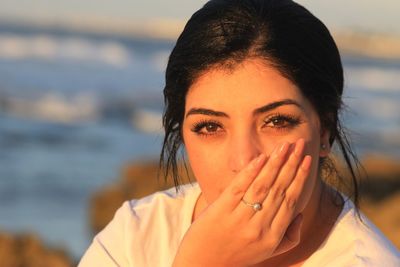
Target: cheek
{"points": [[208, 167]]}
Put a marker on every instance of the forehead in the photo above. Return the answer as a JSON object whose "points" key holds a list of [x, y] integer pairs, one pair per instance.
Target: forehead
{"points": [[249, 84]]}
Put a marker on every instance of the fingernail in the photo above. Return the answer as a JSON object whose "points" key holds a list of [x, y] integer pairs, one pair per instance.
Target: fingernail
{"points": [[283, 149]]}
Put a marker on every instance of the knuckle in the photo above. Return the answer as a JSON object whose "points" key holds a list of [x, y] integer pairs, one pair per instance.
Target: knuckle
{"points": [[237, 191], [290, 202], [278, 191], [272, 240], [251, 235], [260, 189]]}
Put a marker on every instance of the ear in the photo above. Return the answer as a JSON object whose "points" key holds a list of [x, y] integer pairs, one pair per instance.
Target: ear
{"points": [[325, 147]]}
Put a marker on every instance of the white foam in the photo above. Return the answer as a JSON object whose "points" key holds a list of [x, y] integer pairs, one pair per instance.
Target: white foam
{"points": [[52, 107], [47, 47], [373, 78], [377, 108], [147, 121]]}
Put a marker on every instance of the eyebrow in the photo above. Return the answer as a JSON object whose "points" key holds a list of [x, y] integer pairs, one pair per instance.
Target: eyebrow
{"points": [[275, 105], [257, 111]]}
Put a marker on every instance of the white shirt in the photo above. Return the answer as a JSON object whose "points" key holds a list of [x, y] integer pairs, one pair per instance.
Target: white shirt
{"points": [[148, 231]]}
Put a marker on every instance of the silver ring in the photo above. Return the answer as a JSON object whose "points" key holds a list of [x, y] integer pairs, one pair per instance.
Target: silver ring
{"points": [[256, 206]]}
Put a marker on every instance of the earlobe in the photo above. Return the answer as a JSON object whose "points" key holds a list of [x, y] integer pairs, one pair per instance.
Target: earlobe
{"points": [[325, 147]]}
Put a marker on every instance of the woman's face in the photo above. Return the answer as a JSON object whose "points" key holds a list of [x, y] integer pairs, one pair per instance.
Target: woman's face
{"points": [[232, 116]]}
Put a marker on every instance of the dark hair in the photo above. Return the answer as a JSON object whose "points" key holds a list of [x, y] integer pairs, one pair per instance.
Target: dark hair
{"points": [[226, 32]]}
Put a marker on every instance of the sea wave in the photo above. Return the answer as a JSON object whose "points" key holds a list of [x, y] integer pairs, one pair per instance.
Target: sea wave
{"points": [[53, 107], [374, 107], [373, 78], [48, 47], [83, 108]]}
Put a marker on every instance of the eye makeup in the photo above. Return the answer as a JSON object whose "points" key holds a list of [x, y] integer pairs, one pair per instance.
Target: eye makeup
{"points": [[206, 127], [281, 121]]}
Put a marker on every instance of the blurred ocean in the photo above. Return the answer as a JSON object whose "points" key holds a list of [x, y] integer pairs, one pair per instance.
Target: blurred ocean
{"points": [[76, 106]]}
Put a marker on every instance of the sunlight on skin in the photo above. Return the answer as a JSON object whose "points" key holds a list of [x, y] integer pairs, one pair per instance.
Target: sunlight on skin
{"points": [[239, 134]]}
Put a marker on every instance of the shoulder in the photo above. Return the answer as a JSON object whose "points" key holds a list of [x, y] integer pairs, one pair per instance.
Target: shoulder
{"points": [[169, 207], [171, 198], [355, 241], [370, 245], [146, 224]]}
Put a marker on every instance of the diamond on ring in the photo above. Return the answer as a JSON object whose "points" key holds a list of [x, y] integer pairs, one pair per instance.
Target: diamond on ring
{"points": [[256, 206]]}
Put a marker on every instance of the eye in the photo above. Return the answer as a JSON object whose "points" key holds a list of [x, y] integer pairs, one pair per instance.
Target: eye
{"points": [[280, 121], [206, 128]]}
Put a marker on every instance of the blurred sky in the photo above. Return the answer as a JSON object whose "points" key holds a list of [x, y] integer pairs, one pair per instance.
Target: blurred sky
{"points": [[367, 15]]}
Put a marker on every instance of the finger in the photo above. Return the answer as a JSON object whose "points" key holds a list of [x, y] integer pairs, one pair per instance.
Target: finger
{"points": [[285, 213], [289, 169], [296, 187], [292, 236], [233, 194], [264, 180], [277, 192]]}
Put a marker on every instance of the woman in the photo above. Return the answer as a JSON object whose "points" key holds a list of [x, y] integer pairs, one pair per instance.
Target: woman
{"points": [[253, 90]]}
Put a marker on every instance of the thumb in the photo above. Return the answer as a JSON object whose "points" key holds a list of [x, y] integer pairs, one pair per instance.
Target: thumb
{"points": [[292, 236]]}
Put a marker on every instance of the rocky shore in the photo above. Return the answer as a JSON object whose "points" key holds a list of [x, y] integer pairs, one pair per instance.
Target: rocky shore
{"points": [[27, 250]]}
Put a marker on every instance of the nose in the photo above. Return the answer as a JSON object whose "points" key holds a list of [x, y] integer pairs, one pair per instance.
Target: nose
{"points": [[243, 148]]}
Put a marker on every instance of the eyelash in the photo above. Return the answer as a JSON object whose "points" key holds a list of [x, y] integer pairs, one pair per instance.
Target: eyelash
{"points": [[199, 126], [290, 121]]}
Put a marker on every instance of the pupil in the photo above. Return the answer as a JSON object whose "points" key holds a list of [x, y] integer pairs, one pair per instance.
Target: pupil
{"points": [[211, 128], [278, 122]]}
